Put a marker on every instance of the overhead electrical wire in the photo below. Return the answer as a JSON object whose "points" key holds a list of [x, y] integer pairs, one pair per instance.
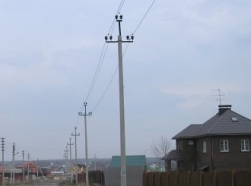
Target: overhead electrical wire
{"points": [[106, 89], [144, 16], [102, 57], [140, 24], [95, 77], [111, 29], [120, 6], [103, 53]]}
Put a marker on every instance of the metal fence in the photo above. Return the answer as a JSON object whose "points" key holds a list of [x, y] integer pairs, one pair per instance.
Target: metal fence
{"points": [[217, 178], [97, 177], [134, 176]]}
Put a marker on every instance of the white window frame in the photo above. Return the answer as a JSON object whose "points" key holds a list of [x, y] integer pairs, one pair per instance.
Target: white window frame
{"points": [[224, 145], [204, 146], [190, 142], [245, 145]]}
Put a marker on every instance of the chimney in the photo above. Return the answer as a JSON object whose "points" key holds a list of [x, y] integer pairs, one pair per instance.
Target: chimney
{"points": [[224, 108]]}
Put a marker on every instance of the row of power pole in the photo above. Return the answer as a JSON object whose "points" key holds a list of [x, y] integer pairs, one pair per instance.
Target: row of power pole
{"points": [[69, 159], [13, 169], [75, 134], [121, 107]]}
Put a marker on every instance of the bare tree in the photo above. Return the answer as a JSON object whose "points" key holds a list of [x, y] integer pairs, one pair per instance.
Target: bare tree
{"points": [[161, 148]]}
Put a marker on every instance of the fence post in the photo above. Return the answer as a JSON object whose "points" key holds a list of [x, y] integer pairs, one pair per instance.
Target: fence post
{"points": [[215, 177], [233, 175], [188, 177], [145, 179], [176, 178], [201, 174]]}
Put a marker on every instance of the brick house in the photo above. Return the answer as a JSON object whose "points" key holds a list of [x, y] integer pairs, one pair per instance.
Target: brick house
{"points": [[221, 143]]}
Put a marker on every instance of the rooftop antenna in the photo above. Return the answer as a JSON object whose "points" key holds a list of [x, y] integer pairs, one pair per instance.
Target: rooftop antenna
{"points": [[220, 99]]}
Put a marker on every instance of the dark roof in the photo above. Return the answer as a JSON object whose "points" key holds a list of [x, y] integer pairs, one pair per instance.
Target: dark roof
{"points": [[223, 123], [174, 155], [189, 132], [137, 160]]}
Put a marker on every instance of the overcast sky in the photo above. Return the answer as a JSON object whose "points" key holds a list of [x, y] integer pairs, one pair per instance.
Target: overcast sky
{"points": [[183, 51]]}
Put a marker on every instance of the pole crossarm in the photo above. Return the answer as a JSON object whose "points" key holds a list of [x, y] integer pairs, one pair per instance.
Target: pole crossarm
{"points": [[117, 41]]}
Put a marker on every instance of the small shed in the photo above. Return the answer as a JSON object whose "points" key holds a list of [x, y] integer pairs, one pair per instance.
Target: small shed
{"points": [[135, 167]]}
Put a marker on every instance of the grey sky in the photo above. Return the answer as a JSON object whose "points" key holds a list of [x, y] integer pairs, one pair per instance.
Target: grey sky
{"points": [[182, 52]]}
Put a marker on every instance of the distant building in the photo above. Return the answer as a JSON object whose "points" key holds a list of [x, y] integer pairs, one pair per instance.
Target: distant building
{"points": [[28, 165], [222, 142]]}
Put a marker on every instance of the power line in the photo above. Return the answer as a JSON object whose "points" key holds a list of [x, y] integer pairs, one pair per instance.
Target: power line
{"points": [[106, 89], [95, 77], [112, 27], [144, 17], [120, 6], [110, 82], [103, 53], [114, 21]]}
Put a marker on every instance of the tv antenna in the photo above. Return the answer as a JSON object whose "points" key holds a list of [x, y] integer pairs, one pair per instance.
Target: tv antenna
{"points": [[220, 96]]}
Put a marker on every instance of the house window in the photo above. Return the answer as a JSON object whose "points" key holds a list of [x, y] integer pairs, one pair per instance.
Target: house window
{"points": [[224, 145], [204, 147], [190, 142], [245, 145]]}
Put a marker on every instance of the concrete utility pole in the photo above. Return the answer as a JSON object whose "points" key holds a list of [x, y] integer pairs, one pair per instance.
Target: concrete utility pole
{"points": [[66, 160], [86, 143], [70, 144], [37, 168], [3, 149], [121, 97], [76, 157], [14, 153], [23, 166], [28, 171], [70, 163], [95, 162]]}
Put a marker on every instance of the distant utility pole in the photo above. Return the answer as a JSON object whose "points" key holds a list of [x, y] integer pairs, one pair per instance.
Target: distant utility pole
{"points": [[76, 158], [37, 168], [66, 158], [70, 144], [3, 149], [86, 143], [28, 171], [95, 161], [14, 153], [23, 165], [70, 163], [121, 97]]}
